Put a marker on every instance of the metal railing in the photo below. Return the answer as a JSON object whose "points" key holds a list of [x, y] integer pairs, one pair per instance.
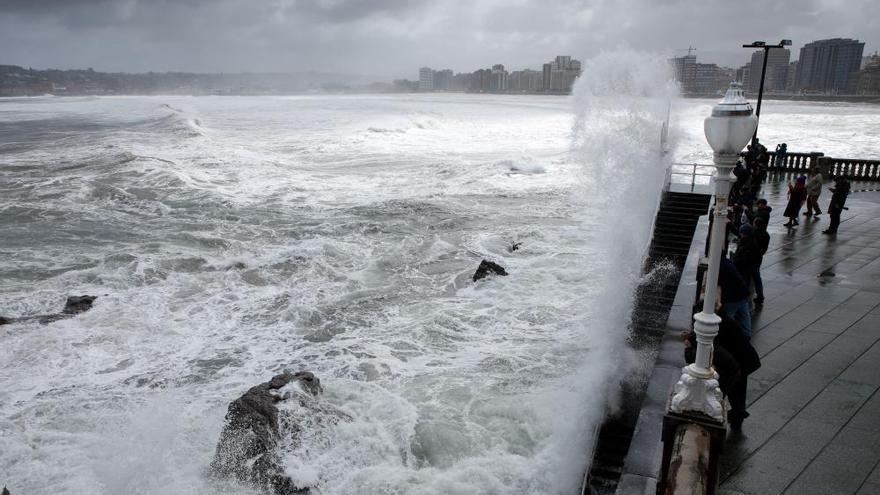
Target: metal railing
{"points": [[688, 173]]}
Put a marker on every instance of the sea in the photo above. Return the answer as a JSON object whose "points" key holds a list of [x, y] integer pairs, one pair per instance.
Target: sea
{"points": [[231, 238]]}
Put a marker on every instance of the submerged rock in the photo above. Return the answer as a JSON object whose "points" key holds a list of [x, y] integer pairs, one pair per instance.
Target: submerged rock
{"points": [[73, 306], [247, 450], [78, 304], [487, 268]]}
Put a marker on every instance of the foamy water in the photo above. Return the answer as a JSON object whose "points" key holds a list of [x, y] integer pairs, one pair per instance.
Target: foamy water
{"points": [[231, 238]]}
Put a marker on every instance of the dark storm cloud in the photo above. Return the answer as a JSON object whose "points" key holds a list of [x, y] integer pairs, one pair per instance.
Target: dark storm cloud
{"points": [[395, 37]]}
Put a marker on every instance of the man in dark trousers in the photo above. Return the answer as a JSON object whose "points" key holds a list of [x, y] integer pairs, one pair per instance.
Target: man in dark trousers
{"points": [[762, 239], [838, 203]]}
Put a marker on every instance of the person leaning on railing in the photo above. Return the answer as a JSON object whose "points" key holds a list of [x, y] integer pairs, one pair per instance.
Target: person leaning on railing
{"points": [[779, 158]]}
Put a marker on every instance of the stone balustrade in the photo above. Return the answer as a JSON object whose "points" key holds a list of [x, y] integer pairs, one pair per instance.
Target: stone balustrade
{"points": [[852, 168]]}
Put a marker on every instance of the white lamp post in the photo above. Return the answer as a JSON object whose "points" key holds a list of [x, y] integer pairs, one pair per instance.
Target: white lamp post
{"points": [[728, 129]]}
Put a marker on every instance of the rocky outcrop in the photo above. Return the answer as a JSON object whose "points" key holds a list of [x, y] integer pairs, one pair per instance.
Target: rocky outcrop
{"points": [[487, 268], [247, 450], [78, 304], [73, 306]]}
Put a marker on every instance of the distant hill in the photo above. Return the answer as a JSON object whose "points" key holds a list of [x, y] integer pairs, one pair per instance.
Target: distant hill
{"points": [[20, 81]]}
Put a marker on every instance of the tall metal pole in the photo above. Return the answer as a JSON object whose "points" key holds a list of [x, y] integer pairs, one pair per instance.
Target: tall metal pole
{"points": [[761, 92], [764, 46]]}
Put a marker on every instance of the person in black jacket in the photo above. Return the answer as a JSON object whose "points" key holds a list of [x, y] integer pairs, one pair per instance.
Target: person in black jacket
{"points": [[734, 296], [838, 201], [734, 358], [762, 239], [763, 210], [747, 257]]}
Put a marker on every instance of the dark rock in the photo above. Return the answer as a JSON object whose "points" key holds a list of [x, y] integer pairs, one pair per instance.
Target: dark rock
{"points": [[247, 447], [5, 491], [73, 306], [487, 268], [78, 304]]}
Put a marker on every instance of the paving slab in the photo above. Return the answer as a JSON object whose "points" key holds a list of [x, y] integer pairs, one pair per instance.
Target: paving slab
{"points": [[815, 404]]}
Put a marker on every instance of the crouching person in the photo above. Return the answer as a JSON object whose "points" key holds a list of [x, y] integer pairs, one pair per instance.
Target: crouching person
{"points": [[733, 358]]}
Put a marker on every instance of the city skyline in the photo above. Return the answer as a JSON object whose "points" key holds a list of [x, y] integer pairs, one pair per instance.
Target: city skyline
{"points": [[824, 66], [556, 76], [386, 38]]}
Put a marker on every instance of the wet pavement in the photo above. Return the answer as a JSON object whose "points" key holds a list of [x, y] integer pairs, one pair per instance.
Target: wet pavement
{"points": [[814, 403]]}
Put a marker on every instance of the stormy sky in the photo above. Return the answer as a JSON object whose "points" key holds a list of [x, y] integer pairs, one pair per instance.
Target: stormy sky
{"points": [[392, 38]]}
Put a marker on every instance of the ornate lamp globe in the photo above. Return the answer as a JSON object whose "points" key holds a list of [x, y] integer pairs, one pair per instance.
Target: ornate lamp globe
{"points": [[731, 124]]}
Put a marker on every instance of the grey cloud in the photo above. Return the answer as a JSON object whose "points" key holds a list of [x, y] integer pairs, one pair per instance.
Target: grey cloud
{"points": [[395, 37]]}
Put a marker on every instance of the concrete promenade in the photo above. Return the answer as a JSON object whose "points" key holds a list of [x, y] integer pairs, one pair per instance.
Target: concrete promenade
{"points": [[814, 404]]}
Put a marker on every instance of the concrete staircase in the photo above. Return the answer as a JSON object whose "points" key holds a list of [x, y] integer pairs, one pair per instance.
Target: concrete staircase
{"points": [[673, 232]]}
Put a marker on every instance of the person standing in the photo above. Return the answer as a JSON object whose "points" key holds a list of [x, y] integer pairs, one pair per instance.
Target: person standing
{"points": [[747, 256], [797, 194], [779, 157], [814, 189], [838, 203], [763, 210], [762, 239], [734, 296], [734, 358]]}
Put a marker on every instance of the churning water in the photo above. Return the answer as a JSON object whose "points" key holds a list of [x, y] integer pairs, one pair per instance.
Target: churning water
{"points": [[231, 238]]}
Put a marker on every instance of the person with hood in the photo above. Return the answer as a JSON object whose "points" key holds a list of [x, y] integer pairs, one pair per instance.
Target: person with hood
{"points": [[763, 210], [814, 189], [762, 239], [797, 194], [838, 203]]}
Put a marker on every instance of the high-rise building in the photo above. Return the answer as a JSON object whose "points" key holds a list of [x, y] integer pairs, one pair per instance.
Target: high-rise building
{"points": [[526, 80], [867, 80], [480, 80], [826, 65], [744, 75], [684, 70], [791, 78], [777, 70], [426, 79], [499, 80], [461, 81], [703, 79], [559, 75], [443, 80]]}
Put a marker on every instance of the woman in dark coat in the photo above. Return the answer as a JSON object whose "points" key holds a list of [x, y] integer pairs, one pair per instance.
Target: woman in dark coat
{"points": [[797, 194]]}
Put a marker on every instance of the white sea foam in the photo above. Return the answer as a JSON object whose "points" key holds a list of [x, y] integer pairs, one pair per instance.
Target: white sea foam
{"points": [[285, 235]]}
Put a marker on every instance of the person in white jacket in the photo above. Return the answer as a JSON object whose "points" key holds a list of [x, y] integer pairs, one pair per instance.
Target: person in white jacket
{"points": [[814, 189]]}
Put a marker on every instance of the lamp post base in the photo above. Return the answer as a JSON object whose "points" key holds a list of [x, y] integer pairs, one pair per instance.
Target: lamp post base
{"points": [[696, 393]]}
